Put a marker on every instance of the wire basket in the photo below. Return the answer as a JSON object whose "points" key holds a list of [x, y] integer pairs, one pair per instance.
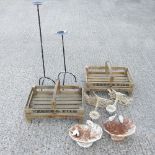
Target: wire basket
{"points": [[91, 98]]}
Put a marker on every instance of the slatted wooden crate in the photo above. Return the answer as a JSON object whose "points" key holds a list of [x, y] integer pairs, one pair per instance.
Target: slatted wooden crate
{"points": [[100, 78], [55, 102]]}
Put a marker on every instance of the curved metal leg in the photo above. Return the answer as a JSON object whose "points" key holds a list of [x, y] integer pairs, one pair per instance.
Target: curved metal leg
{"points": [[43, 80], [73, 76], [40, 80], [64, 76], [60, 74]]}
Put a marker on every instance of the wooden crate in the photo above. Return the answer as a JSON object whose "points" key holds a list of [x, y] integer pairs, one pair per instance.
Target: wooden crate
{"points": [[100, 78], [55, 102]]}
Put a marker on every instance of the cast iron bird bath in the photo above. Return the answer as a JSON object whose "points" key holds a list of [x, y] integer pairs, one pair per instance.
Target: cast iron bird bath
{"points": [[61, 33], [41, 79]]}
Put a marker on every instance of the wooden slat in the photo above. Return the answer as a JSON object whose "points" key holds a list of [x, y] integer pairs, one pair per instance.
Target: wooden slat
{"points": [[107, 83], [102, 80], [44, 87], [95, 67], [70, 87], [69, 97], [86, 73], [105, 76], [107, 80], [58, 102], [58, 99], [129, 77], [43, 94], [29, 99], [48, 106], [68, 103], [105, 88], [56, 90], [70, 92], [53, 115], [104, 73], [60, 109], [63, 95], [103, 67]]}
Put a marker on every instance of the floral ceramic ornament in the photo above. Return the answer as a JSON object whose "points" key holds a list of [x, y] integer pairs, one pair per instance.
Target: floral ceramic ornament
{"points": [[85, 134], [120, 129]]}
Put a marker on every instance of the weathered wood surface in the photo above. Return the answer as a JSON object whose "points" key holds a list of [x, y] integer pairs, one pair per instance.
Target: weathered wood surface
{"points": [[55, 102], [100, 78]]}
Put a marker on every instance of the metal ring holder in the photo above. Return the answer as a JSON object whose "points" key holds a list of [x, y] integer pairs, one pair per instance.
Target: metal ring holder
{"points": [[41, 79], [61, 33]]}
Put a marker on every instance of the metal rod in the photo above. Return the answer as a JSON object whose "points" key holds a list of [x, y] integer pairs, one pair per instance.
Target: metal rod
{"points": [[64, 78], [42, 79], [41, 42], [64, 58], [64, 53]]}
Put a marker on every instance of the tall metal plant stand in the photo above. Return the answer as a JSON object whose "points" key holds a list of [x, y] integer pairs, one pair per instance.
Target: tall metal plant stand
{"points": [[42, 79], [61, 33]]}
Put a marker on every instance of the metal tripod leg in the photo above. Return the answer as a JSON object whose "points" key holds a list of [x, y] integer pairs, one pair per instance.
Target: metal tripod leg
{"points": [[64, 73], [43, 80]]}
